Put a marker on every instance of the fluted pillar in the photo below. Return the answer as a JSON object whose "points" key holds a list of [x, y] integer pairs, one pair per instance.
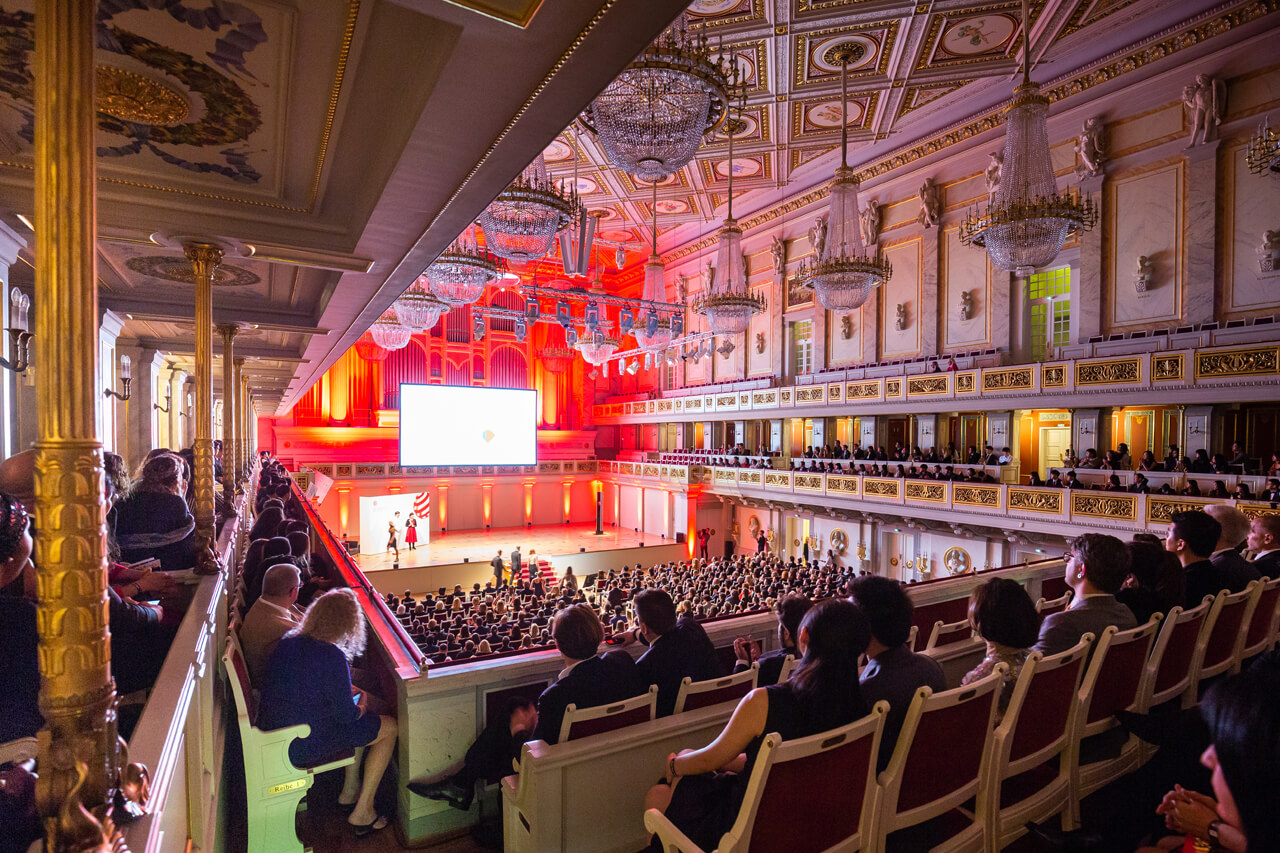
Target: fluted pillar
{"points": [[241, 460], [78, 749], [228, 332], [204, 259]]}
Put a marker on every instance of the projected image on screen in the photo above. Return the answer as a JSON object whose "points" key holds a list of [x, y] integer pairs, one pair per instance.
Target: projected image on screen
{"points": [[451, 425]]}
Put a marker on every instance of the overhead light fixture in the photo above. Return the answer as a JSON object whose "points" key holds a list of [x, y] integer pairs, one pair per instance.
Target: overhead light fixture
{"points": [[461, 272], [522, 222], [651, 119], [843, 276], [1263, 154], [419, 308], [1027, 221], [656, 331], [389, 333], [598, 346], [633, 367], [369, 349]]}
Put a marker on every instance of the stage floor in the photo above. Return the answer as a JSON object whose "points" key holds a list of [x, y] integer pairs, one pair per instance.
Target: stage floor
{"points": [[481, 545]]}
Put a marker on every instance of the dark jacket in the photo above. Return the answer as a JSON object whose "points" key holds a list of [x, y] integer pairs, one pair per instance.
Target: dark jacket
{"points": [[685, 650], [1094, 614], [894, 676], [770, 665], [1235, 571], [592, 682], [156, 524]]}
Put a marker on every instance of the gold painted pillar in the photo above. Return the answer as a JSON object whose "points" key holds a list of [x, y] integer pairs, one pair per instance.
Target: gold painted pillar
{"points": [[241, 462], [228, 332], [77, 695], [204, 259]]}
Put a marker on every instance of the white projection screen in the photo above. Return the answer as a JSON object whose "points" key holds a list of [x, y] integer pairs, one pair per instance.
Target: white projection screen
{"points": [[457, 425]]}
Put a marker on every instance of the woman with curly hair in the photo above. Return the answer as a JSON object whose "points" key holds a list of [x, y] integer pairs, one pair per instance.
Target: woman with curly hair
{"points": [[308, 680]]}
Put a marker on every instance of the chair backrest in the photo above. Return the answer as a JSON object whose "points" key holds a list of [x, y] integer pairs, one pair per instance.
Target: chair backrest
{"points": [[1045, 606], [1173, 656], [1041, 713], [584, 722], [713, 691], [1114, 678], [241, 688], [1262, 624], [941, 754], [946, 633], [789, 664], [790, 787], [1230, 617]]}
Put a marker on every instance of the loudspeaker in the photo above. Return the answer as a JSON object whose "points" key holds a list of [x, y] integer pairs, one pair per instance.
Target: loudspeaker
{"points": [[680, 538]]}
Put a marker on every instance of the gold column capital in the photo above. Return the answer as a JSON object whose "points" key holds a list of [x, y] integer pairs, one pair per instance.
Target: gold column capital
{"points": [[205, 257], [227, 330]]}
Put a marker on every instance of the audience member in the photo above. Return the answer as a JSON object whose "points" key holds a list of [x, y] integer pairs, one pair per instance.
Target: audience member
{"points": [[704, 788], [790, 610], [677, 648], [1003, 615], [1234, 571], [894, 672], [20, 715], [1192, 536], [1096, 566], [1264, 541], [154, 521], [1139, 590], [271, 617], [308, 680]]}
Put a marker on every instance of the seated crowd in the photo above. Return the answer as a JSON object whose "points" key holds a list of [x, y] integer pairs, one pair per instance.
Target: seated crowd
{"points": [[1233, 461]]}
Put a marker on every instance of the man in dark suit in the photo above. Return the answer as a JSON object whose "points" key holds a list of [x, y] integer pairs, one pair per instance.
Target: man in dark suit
{"points": [[586, 681], [790, 610], [1097, 565], [1264, 541], [498, 570], [1191, 538], [1234, 571], [677, 648]]}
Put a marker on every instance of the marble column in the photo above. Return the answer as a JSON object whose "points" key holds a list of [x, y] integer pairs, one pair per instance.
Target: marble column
{"points": [[926, 431], [228, 331], [177, 400], [1199, 426], [10, 245], [867, 431], [777, 331], [138, 425], [999, 429], [1085, 424], [109, 410], [1201, 233], [1086, 291], [928, 310], [204, 259], [869, 320]]}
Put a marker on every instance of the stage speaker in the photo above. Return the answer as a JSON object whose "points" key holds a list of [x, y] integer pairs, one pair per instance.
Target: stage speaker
{"points": [[352, 546], [680, 538]]}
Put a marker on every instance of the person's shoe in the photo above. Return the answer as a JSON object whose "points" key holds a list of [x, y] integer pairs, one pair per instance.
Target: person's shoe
{"points": [[448, 790]]}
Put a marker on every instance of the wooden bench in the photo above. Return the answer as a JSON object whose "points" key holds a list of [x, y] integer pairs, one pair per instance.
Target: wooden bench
{"points": [[587, 795], [273, 785]]}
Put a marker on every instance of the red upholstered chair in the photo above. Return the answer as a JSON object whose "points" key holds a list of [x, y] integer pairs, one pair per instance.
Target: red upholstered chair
{"points": [[824, 783], [789, 664], [1173, 658], [940, 762], [1030, 777], [949, 633], [584, 722], [1263, 625], [1219, 647], [1046, 606], [1114, 680], [714, 691]]}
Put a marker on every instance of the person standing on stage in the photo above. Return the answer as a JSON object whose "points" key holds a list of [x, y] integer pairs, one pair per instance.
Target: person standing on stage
{"points": [[392, 532], [515, 564], [498, 568], [411, 533], [762, 543], [704, 538]]}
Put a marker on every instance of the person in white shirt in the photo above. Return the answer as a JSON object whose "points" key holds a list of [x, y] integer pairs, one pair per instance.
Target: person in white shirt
{"points": [[1264, 541], [271, 617]]}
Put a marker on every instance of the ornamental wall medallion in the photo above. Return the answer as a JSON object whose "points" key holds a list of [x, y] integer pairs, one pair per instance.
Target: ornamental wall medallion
{"points": [[957, 560], [1165, 368], [178, 269]]}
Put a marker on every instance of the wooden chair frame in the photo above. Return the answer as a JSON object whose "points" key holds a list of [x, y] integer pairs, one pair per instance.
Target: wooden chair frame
{"points": [[1245, 600], [775, 751], [941, 628], [1062, 602], [789, 664], [574, 714], [1264, 623], [690, 688], [1172, 623]]}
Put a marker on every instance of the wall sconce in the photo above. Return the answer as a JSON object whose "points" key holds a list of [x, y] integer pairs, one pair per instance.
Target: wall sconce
{"points": [[1086, 428], [126, 380], [1196, 429], [20, 339], [168, 401], [186, 413]]}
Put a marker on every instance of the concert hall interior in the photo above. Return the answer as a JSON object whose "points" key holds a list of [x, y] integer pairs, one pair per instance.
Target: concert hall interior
{"points": [[428, 424]]}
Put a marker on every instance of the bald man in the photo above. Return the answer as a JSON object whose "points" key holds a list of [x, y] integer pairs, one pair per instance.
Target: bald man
{"points": [[1233, 570]]}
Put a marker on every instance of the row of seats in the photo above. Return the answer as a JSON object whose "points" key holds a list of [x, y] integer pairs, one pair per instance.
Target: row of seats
{"points": [[1027, 768]]}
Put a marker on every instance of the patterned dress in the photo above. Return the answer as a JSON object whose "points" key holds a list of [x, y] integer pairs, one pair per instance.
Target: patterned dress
{"points": [[996, 653]]}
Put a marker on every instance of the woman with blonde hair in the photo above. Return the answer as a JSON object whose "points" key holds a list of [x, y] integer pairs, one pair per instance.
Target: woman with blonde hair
{"points": [[308, 680]]}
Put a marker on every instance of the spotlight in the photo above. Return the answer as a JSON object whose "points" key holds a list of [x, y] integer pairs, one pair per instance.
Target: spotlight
{"points": [[633, 367]]}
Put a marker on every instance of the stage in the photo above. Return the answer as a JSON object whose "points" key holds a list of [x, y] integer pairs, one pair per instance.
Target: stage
{"points": [[463, 556]]}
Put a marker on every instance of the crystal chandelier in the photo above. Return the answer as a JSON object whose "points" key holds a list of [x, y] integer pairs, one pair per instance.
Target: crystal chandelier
{"points": [[459, 275], [556, 356], [1027, 221], [652, 117], [655, 334], [726, 301], [388, 332], [597, 347], [418, 308], [368, 349], [522, 222], [1264, 150], [844, 276]]}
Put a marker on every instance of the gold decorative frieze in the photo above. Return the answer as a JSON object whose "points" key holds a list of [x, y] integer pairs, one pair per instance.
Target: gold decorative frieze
{"points": [[750, 478], [1107, 505], [744, 400], [1053, 376], [585, 465], [370, 470], [422, 470], [926, 491], [834, 391], [811, 394], [548, 467], [1116, 371], [893, 387], [693, 404], [764, 398], [1011, 379], [965, 383], [665, 406], [727, 401], [708, 402], [680, 473], [725, 475], [842, 485], [664, 472], [1162, 509], [1254, 361], [875, 487], [988, 496], [651, 471], [653, 406], [786, 396], [777, 479], [1168, 368], [473, 470], [862, 390], [1255, 510], [1036, 500], [341, 470], [679, 403], [808, 482], [927, 386]]}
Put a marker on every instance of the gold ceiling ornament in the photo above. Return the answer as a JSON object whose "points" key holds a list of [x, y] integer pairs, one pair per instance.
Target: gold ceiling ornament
{"points": [[135, 98]]}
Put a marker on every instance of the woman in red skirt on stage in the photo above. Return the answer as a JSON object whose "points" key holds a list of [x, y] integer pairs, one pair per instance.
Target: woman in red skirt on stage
{"points": [[411, 533]]}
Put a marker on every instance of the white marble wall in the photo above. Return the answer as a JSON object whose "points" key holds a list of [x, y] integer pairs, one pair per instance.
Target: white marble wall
{"points": [[1145, 217], [965, 269], [1252, 208], [904, 287], [760, 330]]}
